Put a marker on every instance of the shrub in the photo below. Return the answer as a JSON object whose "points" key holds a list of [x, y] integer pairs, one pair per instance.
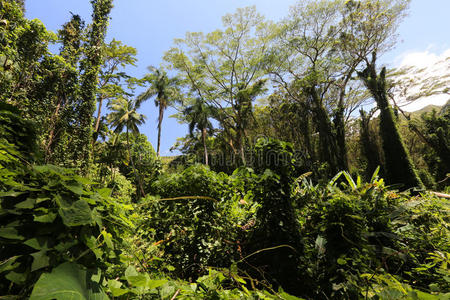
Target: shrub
{"points": [[191, 224]]}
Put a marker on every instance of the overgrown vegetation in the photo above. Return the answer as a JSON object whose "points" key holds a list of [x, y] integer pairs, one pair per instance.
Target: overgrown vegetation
{"points": [[291, 198]]}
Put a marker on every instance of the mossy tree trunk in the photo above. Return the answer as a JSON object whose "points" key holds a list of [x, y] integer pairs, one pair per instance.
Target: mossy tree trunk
{"points": [[328, 150], [90, 67], [399, 167], [339, 125], [369, 147]]}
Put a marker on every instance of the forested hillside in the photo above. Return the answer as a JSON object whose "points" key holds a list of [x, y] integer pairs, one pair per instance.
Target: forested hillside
{"points": [[299, 178]]}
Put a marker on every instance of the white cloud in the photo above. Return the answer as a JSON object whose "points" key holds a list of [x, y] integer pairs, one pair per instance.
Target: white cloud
{"points": [[439, 100], [423, 59], [427, 67]]}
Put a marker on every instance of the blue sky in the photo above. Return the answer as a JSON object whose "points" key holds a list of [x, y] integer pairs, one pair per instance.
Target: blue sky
{"points": [[150, 26]]}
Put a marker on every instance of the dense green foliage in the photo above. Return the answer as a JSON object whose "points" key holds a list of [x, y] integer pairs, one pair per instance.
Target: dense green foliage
{"points": [[289, 199]]}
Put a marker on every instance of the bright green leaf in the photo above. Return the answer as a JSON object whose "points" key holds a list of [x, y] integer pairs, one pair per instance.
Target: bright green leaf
{"points": [[115, 288], [67, 281]]}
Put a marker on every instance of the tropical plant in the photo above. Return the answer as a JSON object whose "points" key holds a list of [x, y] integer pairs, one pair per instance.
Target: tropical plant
{"points": [[433, 129], [198, 115], [164, 89], [51, 218], [124, 116]]}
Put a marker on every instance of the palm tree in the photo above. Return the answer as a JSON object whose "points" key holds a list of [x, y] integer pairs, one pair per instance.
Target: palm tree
{"points": [[198, 114], [124, 115], [165, 90]]}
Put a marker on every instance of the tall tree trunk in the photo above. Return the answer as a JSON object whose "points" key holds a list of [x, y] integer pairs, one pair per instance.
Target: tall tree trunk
{"points": [[99, 114], [244, 162], [240, 140], [51, 136], [339, 124], [399, 166], [97, 123], [205, 149], [160, 119], [327, 142], [368, 145], [90, 68], [306, 128], [138, 179]]}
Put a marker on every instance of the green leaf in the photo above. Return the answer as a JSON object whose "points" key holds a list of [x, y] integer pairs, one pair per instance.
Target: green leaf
{"points": [[107, 236], [10, 233], [170, 268], [115, 288], [63, 246], [92, 243], [335, 178], [51, 169], [27, 204], [286, 296], [39, 200], [130, 271], [40, 260], [77, 189], [39, 243], [77, 214], [46, 218], [11, 194], [83, 180], [320, 244], [105, 192], [138, 280], [350, 180], [9, 264], [424, 296], [18, 278], [153, 284], [239, 279], [67, 281], [375, 175], [341, 261]]}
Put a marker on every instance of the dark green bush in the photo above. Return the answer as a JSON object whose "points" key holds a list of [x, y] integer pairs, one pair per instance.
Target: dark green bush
{"points": [[191, 224], [275, 239]]}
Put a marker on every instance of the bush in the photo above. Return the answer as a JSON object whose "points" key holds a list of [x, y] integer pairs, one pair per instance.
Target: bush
{"points": [[355, 232], [275, 242], [191, 225]]}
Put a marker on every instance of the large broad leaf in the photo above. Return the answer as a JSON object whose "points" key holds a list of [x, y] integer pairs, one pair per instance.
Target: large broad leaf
{"points": [[40, 260], [67, 281], [75, 188], [79, 213]]}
